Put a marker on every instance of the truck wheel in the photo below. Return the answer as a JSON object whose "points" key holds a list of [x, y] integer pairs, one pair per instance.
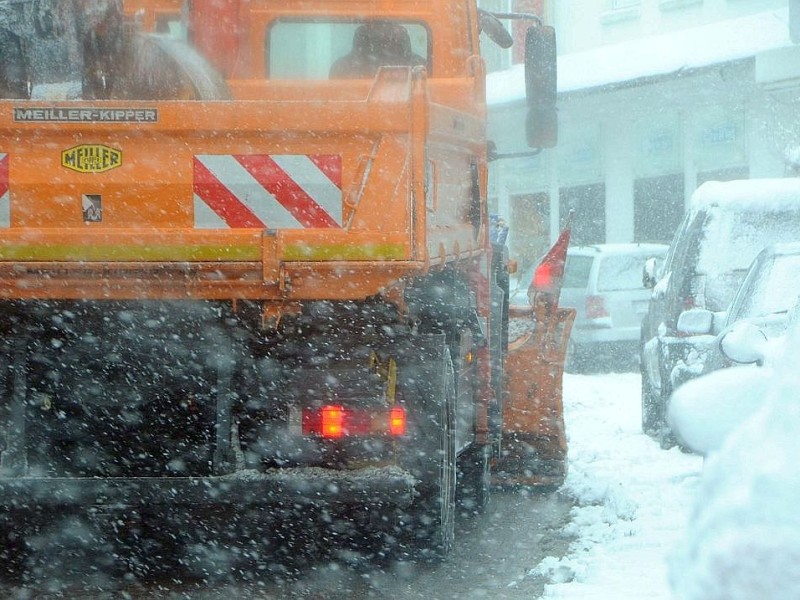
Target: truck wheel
{"points": [[474, 480], [14, 550], [429, 525]]}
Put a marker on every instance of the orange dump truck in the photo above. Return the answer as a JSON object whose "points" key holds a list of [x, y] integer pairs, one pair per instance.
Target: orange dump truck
{"points": [[246, 261]]}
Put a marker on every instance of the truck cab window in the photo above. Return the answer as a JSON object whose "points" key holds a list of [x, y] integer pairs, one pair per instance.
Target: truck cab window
{"points": [[13, 73], [315, 50]]}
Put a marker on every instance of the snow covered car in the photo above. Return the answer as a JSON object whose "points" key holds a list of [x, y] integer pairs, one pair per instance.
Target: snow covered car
{"points": [[726, 226], [603, 283], [769, 291], [743, 539]]}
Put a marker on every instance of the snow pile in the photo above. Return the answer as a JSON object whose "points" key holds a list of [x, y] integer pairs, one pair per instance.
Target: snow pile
{"points": [[632, 498], [694, 410], [743, 541], [658, 524]]}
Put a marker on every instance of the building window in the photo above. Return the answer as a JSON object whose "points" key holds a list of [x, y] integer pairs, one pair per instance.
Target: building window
{"points": [[658, 208], [519, 26], [667, 5], [621, 10], [530, 227], [497, 58], [589, 219], [623, 4]]}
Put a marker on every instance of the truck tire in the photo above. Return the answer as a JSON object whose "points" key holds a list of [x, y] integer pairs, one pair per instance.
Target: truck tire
{"points": [[13, 549], [428, 527], [474, 480], [437, 510]]}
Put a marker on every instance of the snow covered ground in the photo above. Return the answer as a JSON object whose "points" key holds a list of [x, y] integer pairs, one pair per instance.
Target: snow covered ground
{"points": [[633, 499]]}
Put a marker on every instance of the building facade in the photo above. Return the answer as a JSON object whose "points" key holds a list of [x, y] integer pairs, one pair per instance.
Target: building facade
{"points": [[655, 97]]}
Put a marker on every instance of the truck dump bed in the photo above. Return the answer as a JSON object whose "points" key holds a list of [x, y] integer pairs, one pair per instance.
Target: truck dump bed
{"points": [[180, 184], [216, 200]]}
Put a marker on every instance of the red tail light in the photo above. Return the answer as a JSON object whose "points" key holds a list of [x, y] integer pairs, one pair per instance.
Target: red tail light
{"points": [[332, 421], [595, 307], [335, 421], [397, 421]]}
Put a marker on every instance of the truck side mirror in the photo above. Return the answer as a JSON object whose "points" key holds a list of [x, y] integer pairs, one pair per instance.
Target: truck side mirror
{"points": [[491, 25], [541, 86]]}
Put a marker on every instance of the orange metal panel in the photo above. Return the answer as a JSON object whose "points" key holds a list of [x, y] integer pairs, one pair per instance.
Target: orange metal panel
{"points": [[213, 281]]}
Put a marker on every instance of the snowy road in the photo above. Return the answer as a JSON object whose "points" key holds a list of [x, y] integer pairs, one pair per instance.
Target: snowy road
{"points": [[609, 533], [633, 499], [492, 559]]}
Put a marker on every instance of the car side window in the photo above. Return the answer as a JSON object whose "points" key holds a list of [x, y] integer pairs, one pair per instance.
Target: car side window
{"points": [[679, 267], [677, 245]]}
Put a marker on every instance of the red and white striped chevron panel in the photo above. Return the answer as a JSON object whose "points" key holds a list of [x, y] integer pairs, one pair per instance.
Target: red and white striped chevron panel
{"points": [[272, 191], [5, 200]]}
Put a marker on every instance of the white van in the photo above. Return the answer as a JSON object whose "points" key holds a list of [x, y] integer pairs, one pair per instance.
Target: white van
{"points": [[603, 283]]}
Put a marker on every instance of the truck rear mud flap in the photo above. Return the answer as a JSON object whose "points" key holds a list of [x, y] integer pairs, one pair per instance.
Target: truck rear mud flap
{"points": [[534, 447], [297, 486]]}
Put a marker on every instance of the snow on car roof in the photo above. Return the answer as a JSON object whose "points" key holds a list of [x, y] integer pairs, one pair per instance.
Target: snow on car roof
{"points": [[783, 248], [617, 248], [748, 215], [744, 193]]}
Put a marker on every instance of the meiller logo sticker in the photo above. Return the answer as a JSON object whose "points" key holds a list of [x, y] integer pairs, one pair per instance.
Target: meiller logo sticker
{"points": [[59, 114], [91, 158]]}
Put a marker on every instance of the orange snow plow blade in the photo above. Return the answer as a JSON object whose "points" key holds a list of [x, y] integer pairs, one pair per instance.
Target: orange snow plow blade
{"points": [[534, 450], [534, 446]]}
